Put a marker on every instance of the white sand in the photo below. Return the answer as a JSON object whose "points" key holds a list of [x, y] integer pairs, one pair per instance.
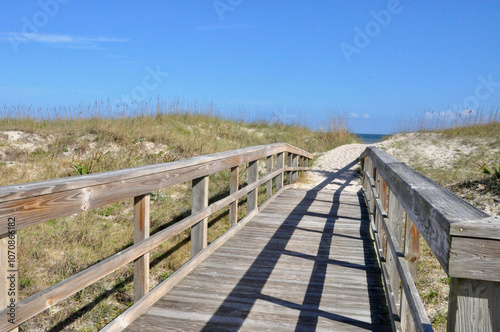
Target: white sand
{"points": [[334, 168]]}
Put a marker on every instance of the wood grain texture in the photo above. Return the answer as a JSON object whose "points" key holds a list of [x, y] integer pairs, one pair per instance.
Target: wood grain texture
{"points": [[432, 208], [253, 176], [299, 265], [289, 161], [474, 305], [486, 228], [475, 258], [136, 310], [37, 202], [411, 254], [280, 159], [199, 202], [295, 164], [233, 187], [58, 292], [269, 186], [416, 310], [141, 232], [395, 224]]}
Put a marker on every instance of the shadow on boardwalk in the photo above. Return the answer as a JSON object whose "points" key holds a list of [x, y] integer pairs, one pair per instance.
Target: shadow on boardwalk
{"points": [[229, 317]]}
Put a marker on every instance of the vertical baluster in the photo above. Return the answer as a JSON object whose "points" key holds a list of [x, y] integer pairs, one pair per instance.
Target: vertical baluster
{"points": [[383, 195], [295, 163], [233, 187], [253, 175], [396, 226], [279, 165], [269, 189], [411, 254], [200, 201], [289, 164], [141, 232]]}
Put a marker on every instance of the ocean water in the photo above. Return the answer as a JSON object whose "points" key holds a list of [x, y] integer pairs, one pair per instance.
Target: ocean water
{"points": [[370, 138]]}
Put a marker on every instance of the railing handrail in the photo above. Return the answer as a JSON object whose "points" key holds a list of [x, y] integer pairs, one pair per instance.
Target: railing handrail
{"points": [[464, 239], [140, 180], [427, 203], [34, 203]]}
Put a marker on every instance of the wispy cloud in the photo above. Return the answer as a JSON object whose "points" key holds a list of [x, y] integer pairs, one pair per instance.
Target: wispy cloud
{"points": [[357, 116], [56, 40], [226, 27]]}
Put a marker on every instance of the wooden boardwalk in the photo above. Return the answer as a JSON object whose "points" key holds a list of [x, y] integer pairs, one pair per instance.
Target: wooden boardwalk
{"points": [[306, 262]]}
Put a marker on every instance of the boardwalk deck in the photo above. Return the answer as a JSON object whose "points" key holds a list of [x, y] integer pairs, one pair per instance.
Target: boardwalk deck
{"points": [[306, 262]]}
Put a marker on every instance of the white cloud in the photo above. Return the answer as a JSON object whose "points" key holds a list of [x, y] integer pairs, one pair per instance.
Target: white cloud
{"points": [[60, 40], [366, 116], [354, 115]]}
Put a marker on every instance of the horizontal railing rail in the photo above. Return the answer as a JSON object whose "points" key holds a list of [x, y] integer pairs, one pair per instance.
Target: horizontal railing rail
{"points": [[35, 203], [405, 205]]}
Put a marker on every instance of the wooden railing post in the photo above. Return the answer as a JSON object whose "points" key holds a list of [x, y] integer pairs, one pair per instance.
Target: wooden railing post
{"points": [[233, 187], [383, 195], [8, 273], [474, 305], [279, 165], [141, 232], [269, 188], [289, 164], [253, 175], [411, 253], [396, 226], [295, 163], [200, 201]]}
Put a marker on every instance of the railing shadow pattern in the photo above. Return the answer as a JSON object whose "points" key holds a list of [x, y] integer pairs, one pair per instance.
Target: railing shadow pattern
{"points": [[265, 262]]}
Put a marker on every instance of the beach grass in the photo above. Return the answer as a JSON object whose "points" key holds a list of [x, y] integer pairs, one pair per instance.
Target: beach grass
{"points": [[70, 141]]}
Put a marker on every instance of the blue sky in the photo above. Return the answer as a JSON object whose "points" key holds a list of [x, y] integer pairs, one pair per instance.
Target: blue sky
{"points": [[376, 61]]}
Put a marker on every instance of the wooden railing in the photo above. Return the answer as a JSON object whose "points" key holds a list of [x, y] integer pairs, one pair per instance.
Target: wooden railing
{"points": [[403, 205], [34, 203]]}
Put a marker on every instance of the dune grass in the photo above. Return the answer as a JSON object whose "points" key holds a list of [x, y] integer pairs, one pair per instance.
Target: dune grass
{"points": [[470, 142], [73, 143]]}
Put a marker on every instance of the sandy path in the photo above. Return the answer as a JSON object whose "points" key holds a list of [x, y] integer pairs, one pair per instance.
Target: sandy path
{"points": [[334, 168]]}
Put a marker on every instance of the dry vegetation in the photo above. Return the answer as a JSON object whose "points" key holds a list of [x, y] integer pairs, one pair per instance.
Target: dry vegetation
{"points": [[455, 158], [35, 149]]}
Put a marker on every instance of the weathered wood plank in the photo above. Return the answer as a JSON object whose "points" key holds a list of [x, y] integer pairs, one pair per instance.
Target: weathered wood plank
{"points": [[295, 164], [233, 187], [486, 228], [473, 258], [141, 232], [431, 207], [396, 226], [58, 292], [279, 166], [263, 274], [138, 308], [416, 307], [411, 255], [199, 202], [253, 176], [37, 202], [474, 305], [269, 187], [289, 171]]}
